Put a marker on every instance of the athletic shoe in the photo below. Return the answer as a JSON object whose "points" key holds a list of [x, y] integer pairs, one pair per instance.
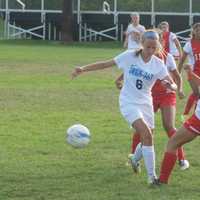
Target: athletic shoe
{"points": [[134, 164], [154, 181], [184, 164]]}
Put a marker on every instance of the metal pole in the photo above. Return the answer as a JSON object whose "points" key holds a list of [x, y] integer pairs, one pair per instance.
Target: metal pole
{"points": [[116, 19], [115, 12], [78, 11], [54, 32], [122, 33], [85, 32], [49, 31], [152, 13], [6, 21], [79, 19], [191, 16], [80, 30], [43, 19]]}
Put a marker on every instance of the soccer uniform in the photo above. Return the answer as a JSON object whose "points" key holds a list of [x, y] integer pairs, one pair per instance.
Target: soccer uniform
{"points": [[169, 44], [132, 42], [161, 95], [193, 123], [135, 98], [192, 48]]}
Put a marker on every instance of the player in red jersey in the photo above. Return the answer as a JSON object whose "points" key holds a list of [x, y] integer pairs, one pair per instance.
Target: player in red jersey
{"points": [[171, 43], [192, 51], [188, 132]]}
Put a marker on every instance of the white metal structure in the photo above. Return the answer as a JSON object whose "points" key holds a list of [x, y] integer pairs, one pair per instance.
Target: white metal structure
{"points": [[12, 31], [86, 32]]}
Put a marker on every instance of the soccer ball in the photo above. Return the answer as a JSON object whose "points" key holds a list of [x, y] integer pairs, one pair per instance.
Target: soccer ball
{"points": [[78, 136]]}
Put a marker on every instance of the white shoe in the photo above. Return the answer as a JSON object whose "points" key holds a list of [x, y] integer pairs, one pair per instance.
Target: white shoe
{"points": [[134, 164], [154, 181], [184, 164]]}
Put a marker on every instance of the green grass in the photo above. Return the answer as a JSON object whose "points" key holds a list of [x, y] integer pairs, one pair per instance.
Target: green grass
{"points": [[38, 102]]}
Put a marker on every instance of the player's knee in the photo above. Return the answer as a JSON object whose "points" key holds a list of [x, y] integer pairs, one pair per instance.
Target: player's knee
{"points": [[168, 127], [172, 145], [147, 139]]}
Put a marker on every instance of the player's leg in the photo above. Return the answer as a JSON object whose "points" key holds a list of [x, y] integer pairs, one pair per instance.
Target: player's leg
{"points": [[192, 99], [147, 147], [181, 137], [168, 119]]}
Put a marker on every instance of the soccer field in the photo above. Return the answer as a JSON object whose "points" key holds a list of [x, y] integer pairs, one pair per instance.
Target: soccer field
{"points": [[38, 102]]}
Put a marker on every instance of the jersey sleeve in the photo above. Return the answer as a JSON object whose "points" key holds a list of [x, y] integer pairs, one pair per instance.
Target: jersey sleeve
{"points": [[120, 60], [170, 62], [163, 72], [143, 29], [173, 36], [129, 29], [187, 48]]}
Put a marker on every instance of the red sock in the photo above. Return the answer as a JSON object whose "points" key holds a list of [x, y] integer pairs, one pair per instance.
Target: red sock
{"points": [[180, 151], [167, 165], [190, 102], [135, 141]]}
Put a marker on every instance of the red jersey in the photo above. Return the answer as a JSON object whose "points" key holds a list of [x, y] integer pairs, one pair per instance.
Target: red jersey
{"points": [[195, 44], [166, 41], [158, 88]]}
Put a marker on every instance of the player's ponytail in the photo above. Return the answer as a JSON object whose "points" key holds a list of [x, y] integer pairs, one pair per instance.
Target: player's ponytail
{"points": [[138, 52]]}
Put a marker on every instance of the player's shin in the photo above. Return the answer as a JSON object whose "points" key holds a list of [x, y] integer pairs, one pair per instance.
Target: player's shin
{"points": [[167, 166]]}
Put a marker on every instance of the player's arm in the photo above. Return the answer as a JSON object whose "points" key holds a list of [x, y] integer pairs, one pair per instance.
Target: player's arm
{"points": [[181, 61], [178, 80], [119, 81], [178, 46], [191, 75], [92, 67], [126, 40]]}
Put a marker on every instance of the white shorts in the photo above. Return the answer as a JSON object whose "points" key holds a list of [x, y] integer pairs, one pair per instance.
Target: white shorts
{"points": [[133, 112]]}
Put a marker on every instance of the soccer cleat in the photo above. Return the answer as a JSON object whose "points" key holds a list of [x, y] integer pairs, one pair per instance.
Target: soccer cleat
{"points": [[154, 181], [184, 164], [134, 164]]}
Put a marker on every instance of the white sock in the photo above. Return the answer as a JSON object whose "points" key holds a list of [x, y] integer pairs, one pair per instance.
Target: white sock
{"points": [[138, 152], [149, 160]]}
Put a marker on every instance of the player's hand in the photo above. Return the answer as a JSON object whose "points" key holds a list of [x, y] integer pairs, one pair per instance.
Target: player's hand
{"points": [[118, 84], [187, 68], [181, 95], [77, 71], [168, 85]]}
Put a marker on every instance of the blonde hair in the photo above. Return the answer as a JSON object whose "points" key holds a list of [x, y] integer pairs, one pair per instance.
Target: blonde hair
{"points": [[150, 34], [165, 23], [194, 27]]}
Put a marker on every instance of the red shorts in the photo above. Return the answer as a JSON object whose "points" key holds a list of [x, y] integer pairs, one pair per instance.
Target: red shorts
{"points": [[197, 71], [163, 101], [193, 124]]}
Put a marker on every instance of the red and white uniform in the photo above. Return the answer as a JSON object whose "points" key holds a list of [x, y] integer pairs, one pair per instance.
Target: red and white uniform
{"points": [[193, 123], [161, 95], [169, 44], [192, 48]]}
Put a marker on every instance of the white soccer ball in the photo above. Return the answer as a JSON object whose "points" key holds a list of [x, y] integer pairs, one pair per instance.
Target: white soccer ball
{"points": [[78, 136]]}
